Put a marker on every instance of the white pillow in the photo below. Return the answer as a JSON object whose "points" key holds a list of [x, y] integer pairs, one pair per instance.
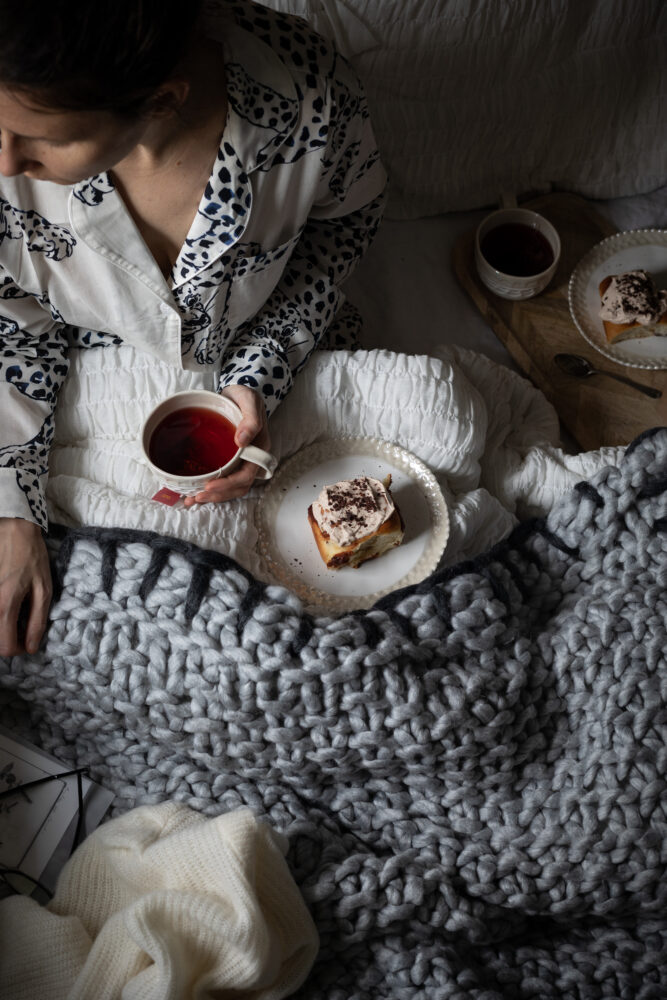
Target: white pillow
{"points": [[473, 97]]}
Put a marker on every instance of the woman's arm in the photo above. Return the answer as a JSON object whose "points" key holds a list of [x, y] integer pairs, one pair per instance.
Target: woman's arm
{"points": [[348, 202], [33, 365], [269, 349], [276, 343]]}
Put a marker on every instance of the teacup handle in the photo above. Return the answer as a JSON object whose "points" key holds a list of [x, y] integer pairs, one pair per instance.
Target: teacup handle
{"points": [[507, 199], [266, 462]]}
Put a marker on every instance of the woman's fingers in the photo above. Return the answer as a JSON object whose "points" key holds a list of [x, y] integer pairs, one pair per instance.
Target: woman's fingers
{"points": [[25, 575], [39, 610], [10, 604], [253, 424], [230, 487]]}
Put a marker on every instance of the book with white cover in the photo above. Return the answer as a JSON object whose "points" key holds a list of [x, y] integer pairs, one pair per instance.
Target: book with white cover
{"points": [[38, 824]]}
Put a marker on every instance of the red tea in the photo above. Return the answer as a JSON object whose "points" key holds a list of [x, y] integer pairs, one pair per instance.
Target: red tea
{"points": [[192, 441], [518, 249]]}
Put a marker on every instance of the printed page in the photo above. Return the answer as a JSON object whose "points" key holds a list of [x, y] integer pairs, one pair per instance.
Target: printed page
{"points": [[37, 824]]}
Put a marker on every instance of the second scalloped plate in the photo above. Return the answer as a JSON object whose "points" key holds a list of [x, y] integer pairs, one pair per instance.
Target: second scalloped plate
{"points": [[628, 251], [286, 543]]}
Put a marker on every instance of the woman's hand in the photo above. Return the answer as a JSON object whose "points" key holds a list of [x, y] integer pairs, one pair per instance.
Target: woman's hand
{"points": [[252, 429], [25, 575]]}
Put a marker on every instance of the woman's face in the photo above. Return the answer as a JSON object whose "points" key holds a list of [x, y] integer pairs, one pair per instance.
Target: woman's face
{"points": [[61, 146]]}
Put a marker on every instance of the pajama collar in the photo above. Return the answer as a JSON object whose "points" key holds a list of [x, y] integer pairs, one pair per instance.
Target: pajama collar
{"points": [[261, 94]]}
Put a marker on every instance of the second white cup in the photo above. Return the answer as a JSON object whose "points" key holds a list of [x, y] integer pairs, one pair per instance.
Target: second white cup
{"points": [[516, 252]]}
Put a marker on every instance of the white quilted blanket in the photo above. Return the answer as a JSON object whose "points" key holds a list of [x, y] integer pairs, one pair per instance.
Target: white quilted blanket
{"points": [[489, 436]]}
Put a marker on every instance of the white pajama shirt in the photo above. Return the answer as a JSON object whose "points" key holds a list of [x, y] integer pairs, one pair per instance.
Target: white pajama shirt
{"points": [[294, 198]]}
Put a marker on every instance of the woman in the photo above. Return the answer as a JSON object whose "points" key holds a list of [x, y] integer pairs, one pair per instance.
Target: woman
{"points": [[193, 182]]}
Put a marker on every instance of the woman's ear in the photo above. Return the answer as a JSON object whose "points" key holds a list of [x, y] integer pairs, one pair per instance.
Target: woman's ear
{"points": [[168, 98]]}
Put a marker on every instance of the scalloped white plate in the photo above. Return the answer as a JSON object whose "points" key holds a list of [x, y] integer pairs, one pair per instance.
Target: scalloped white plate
{"points": [[627, 251], [286, 542]]}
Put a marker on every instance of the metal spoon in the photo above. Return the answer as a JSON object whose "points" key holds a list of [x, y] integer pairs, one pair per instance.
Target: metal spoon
{"points": [[580, 367]]}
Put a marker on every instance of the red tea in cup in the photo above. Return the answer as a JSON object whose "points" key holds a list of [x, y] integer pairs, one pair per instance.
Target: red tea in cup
{"points": [[192, 441], [518, 249], [188, 439]]}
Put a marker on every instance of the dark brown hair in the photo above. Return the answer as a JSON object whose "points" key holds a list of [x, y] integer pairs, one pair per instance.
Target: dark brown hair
{"points": [[93, 55]]}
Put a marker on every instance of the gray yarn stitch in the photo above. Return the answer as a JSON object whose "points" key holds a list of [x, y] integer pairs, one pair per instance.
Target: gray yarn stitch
{"points": [[471, 774]]}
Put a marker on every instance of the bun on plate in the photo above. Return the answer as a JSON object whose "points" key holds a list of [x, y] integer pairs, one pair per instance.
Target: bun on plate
{"points": [[631, 307], [355, 520]]}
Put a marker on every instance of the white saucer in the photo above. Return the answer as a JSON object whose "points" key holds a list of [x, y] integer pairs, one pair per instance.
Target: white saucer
{"points": [[286, 542], [644, 249]]}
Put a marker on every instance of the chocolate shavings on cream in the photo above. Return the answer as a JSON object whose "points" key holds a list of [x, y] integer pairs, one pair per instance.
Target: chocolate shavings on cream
{"points": [[633, 298], [353, 508]]}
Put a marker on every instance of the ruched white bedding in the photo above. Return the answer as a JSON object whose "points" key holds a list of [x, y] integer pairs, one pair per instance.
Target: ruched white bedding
{"points": [[489, 436]]}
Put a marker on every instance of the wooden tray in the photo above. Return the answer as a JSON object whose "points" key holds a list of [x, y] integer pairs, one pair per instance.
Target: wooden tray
{"points": [[596, 411]]}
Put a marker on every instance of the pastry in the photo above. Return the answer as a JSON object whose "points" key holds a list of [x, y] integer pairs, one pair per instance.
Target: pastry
{"points": [[355, 520], [632, 307]]}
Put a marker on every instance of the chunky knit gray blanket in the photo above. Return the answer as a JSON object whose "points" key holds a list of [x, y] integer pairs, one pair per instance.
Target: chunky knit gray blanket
{"points": [[471, 775]]}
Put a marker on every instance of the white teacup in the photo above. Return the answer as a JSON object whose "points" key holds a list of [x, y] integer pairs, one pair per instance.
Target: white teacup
{"points": [[499, 278], [201, 398]]}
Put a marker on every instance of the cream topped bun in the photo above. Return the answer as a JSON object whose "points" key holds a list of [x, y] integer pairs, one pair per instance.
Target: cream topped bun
{"points": [[355, 520], [353, 508], [632, 297], [631, 306]]}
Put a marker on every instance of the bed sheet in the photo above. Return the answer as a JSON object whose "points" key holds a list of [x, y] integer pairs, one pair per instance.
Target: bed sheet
{"points": [[489, 437]]}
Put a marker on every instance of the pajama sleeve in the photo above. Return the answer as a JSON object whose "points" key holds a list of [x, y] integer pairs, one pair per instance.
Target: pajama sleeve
{"points": [[276, 342], [33, 365]]}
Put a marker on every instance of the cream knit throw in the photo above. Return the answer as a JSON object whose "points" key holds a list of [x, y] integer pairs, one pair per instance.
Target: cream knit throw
{"points": [[163, 904]]}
